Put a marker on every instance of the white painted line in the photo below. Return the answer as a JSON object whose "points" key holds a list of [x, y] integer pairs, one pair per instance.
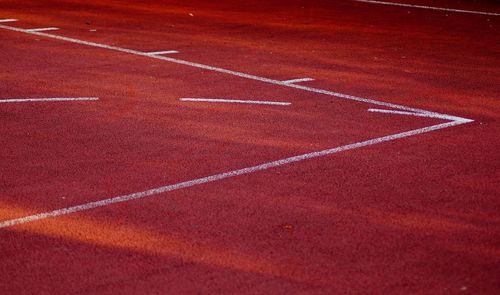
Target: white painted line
{"points": [[297, 80], [221, 176], [8, 20], [454, 122], [163, 52], [216, 100], [219, 70], [428, 7], [50, 99], [42, 29], [427, 115]]}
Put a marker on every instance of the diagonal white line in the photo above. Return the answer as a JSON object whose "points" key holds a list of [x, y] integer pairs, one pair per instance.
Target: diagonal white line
{"points": [[428, 7], [42, 29], [216, 100], [298, 80], [221, 176], [163, 52], [8, 20], [50, 99]]}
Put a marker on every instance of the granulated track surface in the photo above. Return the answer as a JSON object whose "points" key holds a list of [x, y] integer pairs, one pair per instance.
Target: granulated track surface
{"points": [[378, 174]]}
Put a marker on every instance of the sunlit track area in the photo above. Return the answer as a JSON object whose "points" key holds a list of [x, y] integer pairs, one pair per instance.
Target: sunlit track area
{"points": [[249, 147]]}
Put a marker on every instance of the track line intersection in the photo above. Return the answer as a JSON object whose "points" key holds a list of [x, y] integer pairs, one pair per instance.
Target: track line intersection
{"points": [[142, 136]]}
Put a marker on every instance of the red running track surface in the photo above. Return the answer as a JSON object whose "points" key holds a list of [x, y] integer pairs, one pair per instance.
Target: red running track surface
{"points": [[416, 215]]}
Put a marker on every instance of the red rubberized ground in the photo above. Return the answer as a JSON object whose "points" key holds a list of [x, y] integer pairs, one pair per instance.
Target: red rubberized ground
{"points": [[417, 215]]}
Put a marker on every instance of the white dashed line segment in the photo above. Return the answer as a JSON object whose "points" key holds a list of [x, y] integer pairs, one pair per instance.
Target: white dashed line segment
{"points": [[216, 100], [51, 99]]}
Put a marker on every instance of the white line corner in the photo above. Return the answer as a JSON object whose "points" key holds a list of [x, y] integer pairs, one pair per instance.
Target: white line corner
{"points": [[423, 114]]}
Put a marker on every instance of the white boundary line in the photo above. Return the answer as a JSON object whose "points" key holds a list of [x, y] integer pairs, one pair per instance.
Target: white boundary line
{"points": [[8, 20], [42, 29], [426, 115], [221, 70], [217, 100], [51, 99], [298, 80], [428, 7], [454, 122], [216, 177], [163, 52]]}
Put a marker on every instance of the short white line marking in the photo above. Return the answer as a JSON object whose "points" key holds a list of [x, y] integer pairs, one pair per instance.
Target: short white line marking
{"points": [[426, 114], [49, 99], [428, 7], [297, 80], [217, 100], [163, 52], [42, 29], [216, 177], [8, 20]]}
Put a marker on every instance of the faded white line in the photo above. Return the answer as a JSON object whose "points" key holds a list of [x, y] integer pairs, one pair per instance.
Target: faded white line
{"points": [[42, 29], [163, 52], [218, 100], [216, 177], [8, 20], [426, 115], [428, 7], [298, 80], [49, 99], [221, 70]]}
